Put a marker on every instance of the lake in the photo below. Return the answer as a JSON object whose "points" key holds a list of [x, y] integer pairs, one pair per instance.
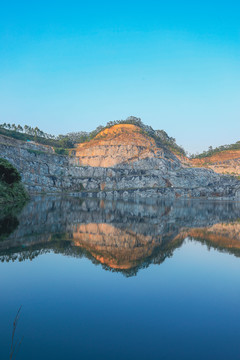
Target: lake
{"points": [[121, 280]]}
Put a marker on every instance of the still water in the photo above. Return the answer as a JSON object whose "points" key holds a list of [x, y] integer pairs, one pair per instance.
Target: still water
{"points": [[121, 280]]}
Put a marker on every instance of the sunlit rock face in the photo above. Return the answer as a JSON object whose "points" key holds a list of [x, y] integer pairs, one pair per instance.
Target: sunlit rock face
{"points": [[118, 145], [225, 162], [120, 162]]}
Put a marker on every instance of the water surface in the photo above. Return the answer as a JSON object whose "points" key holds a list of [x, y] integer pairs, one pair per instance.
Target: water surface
{"points": [[114, 280]]}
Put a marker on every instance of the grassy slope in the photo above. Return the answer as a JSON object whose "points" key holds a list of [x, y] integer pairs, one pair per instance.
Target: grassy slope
{"points": [[218, 150]]}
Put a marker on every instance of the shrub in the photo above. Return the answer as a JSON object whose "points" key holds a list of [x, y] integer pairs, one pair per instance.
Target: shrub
{"points": [[8, 173], [61, 151]]}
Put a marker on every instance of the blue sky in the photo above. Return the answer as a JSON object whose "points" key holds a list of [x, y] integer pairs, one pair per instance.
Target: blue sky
{"points": [[71, 66]]}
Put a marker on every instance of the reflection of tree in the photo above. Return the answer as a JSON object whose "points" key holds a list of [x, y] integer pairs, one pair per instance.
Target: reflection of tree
{"points": [[7, 225], [8, 219], [66, 248], [227, 248]]}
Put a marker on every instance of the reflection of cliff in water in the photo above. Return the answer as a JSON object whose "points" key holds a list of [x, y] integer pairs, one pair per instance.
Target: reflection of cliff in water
{"points": [[122, 236]]}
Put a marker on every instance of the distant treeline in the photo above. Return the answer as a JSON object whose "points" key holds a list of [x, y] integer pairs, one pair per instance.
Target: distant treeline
{"points": [[213, 151], [35, 134], [69, 140]]}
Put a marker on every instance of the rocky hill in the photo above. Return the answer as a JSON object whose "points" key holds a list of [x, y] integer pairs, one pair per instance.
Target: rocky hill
{"points": [[223, 162], [122, 160], [120, 144], [127, 143], [121, 141]]}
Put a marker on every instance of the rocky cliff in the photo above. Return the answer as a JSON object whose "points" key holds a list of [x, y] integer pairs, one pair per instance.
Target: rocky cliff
{"points": [[122, 161], [224, 162], [119, 144]]}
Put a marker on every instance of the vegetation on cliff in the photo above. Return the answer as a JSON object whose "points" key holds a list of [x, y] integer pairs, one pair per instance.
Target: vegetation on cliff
{"points": [[27, 133], [69, 140], [11, 188], [9, 218], [61, 143], [160, 136], [213, 151]]}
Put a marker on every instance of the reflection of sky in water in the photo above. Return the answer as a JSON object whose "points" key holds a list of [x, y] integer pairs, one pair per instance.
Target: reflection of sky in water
{"points": [[186, 308]]}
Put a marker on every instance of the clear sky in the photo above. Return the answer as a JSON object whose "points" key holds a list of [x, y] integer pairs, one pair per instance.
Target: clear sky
{"points": [[73, 65]]}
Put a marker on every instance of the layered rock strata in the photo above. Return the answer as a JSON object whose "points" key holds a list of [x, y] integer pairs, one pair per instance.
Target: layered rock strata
{"points": [[149, 172], [119, 144], [225, 162]]}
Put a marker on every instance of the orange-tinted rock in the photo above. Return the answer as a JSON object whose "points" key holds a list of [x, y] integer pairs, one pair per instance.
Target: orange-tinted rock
{"points": [[118, 144], [224, 162]]}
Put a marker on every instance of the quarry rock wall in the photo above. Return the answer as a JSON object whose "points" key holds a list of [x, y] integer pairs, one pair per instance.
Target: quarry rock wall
{"points": [[46, 172]]}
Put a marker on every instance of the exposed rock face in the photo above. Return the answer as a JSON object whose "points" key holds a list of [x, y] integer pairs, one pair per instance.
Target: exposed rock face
{"points": [[149, 172], [224, 162], [30, 145], [118, 145]]}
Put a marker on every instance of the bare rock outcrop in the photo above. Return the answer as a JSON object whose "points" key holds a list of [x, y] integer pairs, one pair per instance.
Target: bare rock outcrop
{"points": [[132, 166], [118, 145], [224, 162]]}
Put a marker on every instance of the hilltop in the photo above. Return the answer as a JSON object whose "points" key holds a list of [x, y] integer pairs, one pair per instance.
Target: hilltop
{"points": [[131, 140], [224, 159], [121, 141], [70, 140], [117, 145]]}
